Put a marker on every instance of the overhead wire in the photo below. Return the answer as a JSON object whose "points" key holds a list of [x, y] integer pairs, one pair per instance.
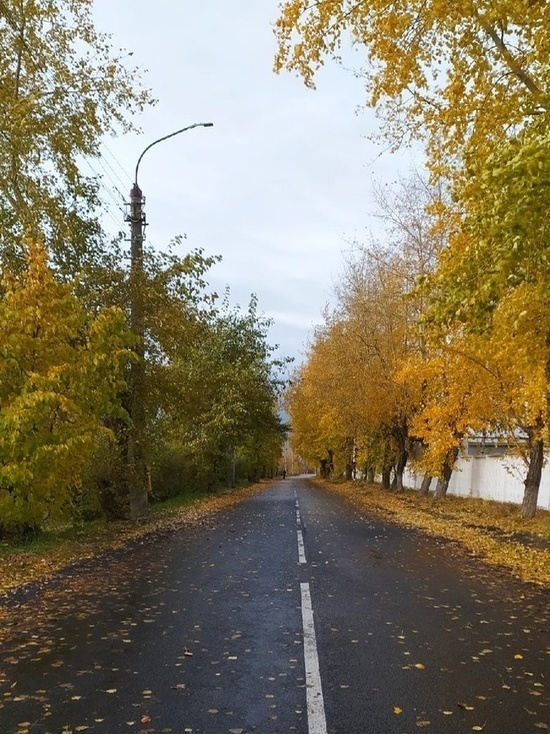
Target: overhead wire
{"points": [[101, 160], [128, 181]]}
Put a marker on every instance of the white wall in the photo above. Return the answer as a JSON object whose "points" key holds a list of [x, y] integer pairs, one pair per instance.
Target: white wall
{"points": [[489, 477]]}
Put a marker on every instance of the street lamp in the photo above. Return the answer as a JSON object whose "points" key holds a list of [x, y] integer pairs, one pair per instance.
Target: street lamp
{"points": [[137, 466]]}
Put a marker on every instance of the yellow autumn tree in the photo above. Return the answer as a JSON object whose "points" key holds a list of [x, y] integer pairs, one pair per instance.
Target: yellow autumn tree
{"points": [[61, 373], [454, 404], [452, 73], [62, 87], [493, 280], [323, 402], [380, 319], [517, 355], [471, 80], [352, 379], [347, 405]]}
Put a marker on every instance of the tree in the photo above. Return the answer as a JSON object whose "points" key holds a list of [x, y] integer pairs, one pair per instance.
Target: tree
{"points": [[460, 77], [324, 400], [516, 354], [454, 404], [61, 89], [218, 404], [352, 386], [497, 261], [346, 405], [61, 374], [471, 81]]}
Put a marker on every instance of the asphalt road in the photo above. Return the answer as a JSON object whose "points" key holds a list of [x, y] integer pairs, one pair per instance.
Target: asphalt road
{"points": [[290, 612]]}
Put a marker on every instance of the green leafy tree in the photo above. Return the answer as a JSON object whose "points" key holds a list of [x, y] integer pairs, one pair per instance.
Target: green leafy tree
{"points": [[61, 374], [223, 389]]}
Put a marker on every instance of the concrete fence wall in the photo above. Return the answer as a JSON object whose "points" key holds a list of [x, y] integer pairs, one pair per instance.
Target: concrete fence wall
{"points": [[489, 477]]}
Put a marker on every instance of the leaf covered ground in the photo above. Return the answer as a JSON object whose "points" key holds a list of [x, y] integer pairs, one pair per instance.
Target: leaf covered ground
{"points": [[491, 531], [34, 561]]}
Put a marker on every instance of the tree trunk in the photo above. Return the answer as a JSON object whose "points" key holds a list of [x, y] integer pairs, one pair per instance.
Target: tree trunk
{"points": [[532, 480], [386, 474], [350, 458], [425, 486], [369, 474], [400, 468], [446, 473], [330, 464]]}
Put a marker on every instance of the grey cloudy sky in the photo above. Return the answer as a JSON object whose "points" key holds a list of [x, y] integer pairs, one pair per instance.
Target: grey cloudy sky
{"points": [[282, 181]]}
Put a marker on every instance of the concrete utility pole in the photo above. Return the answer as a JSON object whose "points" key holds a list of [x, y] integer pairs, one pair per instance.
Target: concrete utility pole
{"points": [[137, 460], [137, 465]]}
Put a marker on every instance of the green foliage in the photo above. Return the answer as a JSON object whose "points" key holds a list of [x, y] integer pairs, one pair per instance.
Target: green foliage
{"points": [[61, 372], [503, 241], [217, 397], [208, 389]]}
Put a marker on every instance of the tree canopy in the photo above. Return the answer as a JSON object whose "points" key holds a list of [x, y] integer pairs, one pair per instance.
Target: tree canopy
{"points": [[62, 87], [460, 75], [61, 373], [209, 395]]}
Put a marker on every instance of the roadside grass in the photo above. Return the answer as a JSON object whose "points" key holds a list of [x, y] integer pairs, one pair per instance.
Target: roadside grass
{"points": [[492, 531], [36, 558]]}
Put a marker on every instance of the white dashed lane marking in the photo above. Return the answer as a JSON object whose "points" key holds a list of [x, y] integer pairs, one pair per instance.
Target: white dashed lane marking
{"points": [[300, 535], [314, 692]]}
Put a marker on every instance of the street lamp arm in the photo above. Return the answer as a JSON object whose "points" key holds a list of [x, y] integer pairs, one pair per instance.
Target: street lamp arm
{"points": [[177, 132]]}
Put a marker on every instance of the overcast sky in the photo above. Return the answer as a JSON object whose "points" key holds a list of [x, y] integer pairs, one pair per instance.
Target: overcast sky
{"points": [[279, 185]]}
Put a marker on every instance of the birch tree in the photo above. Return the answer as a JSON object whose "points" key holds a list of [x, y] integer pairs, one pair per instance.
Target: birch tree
{"points": [[62, 87]]}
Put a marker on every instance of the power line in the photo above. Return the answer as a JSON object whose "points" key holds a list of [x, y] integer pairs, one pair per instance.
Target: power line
{"points": [[51, 86], [128, 181]]}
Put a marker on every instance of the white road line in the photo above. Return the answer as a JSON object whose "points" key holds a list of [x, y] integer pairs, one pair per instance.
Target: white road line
{"points": [[315, 705], [301, 548]]}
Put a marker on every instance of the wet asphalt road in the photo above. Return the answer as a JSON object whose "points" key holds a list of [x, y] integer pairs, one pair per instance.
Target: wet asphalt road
{"points": [[203, 631]]}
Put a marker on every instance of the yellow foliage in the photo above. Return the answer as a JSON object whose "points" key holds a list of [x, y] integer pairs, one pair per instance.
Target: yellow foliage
{"points": [[61, 371], [448, 72]]}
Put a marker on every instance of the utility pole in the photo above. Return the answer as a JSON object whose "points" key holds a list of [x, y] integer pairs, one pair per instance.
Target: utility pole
{"points": [[137, 465], [137, 382]]}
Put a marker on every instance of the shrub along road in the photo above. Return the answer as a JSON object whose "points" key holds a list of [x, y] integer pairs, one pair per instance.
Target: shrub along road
{"points": [[290, 612]]}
